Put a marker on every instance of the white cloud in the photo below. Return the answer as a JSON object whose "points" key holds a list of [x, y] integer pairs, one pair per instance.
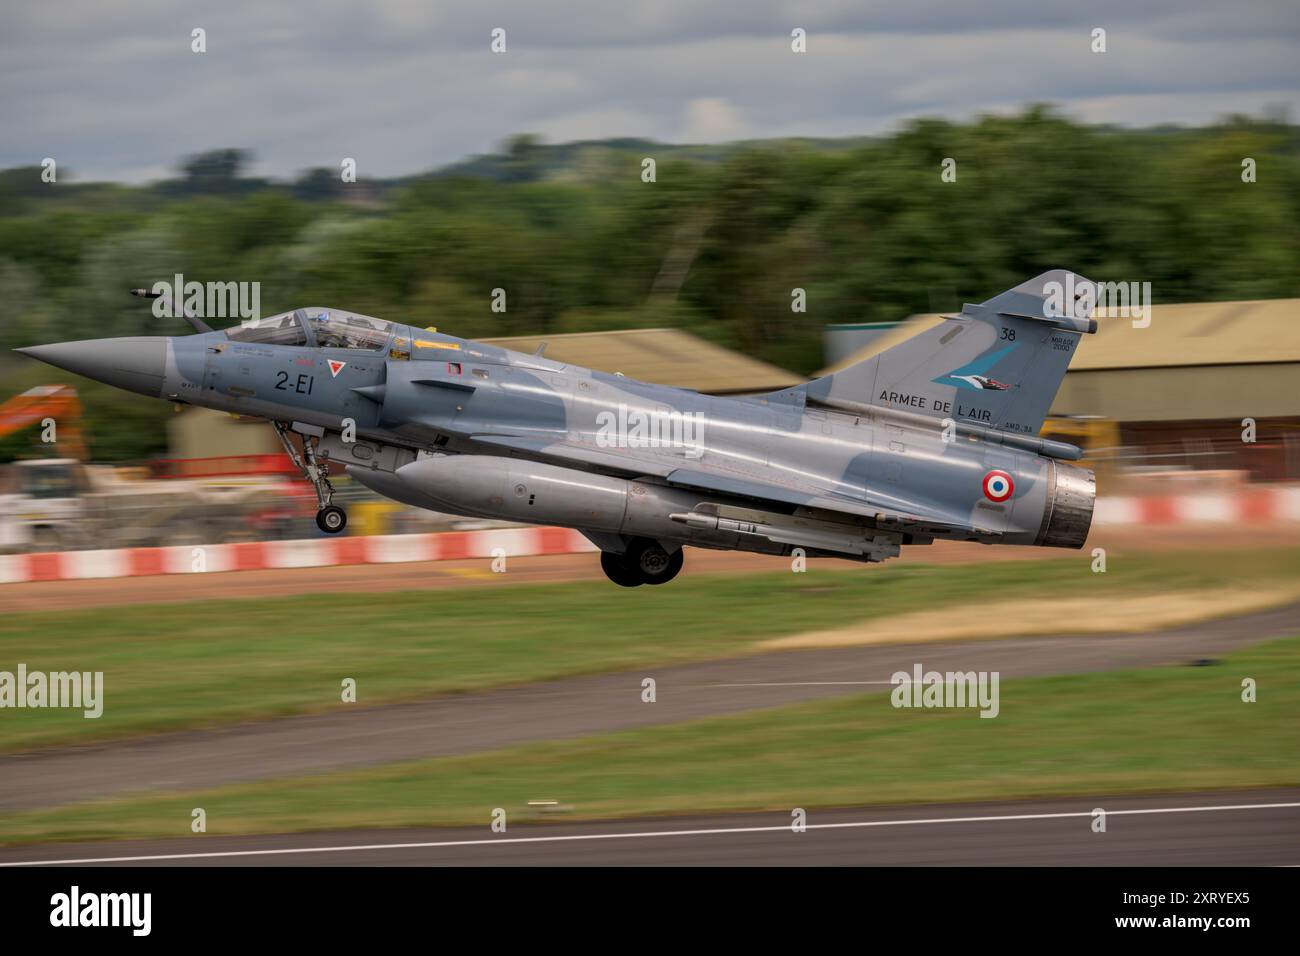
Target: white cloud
{"points": [[711, 120], [411, 84]]}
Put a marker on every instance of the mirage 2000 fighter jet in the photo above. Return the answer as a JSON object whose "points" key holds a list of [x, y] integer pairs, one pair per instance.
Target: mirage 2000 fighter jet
{"points": [[934, 438]]}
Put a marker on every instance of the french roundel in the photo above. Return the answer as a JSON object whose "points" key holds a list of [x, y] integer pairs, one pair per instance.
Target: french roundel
{"points": [[998, 486]]}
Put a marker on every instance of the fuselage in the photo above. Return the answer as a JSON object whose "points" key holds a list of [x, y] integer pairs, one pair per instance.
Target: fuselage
{"points": [[462, 426]]}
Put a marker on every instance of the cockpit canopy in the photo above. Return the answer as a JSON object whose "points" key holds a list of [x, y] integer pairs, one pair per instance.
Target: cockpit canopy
{"points": [[323, 328], [336, 329]]}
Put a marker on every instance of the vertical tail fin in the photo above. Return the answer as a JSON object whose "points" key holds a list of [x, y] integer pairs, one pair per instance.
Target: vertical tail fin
{"points": [[997, 364]]}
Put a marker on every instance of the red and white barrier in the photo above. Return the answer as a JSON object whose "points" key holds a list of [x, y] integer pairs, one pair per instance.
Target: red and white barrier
{"points": [[1251, 506], [308, 553]]}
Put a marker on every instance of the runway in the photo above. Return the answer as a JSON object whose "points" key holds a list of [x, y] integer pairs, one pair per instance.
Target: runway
{"points": [[1239, 828], [577, 707]]}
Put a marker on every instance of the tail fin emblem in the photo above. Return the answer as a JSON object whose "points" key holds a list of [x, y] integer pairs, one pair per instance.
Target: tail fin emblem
{"points": [[972, 375]]}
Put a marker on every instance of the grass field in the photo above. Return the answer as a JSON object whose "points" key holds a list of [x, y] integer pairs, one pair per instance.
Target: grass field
{"points": [[1171, 728], [178, 666]]}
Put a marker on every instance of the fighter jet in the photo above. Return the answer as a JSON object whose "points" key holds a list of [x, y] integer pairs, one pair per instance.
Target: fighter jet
{"points": [[917, 443]]}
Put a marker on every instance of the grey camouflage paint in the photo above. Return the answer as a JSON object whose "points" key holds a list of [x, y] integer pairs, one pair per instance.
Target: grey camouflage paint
{"points": [[854, 464]]}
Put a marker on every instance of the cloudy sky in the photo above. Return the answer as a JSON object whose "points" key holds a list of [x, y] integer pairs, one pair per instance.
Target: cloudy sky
{"points": [[111, 90]]}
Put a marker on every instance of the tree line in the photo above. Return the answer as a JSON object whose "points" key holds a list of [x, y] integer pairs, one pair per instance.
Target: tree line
{"points": [[871, 229]]}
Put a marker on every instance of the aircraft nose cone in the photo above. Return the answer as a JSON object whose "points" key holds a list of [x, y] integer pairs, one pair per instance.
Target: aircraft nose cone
{"points": [[136, 364]]}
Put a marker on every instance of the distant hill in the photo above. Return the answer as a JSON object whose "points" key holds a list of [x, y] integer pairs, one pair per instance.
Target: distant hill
{"points": [[571, 161]]}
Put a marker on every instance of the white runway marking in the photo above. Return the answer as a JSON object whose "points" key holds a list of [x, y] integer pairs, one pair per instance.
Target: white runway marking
{"points": [[819, 683], [806, 683], [641, 835]]}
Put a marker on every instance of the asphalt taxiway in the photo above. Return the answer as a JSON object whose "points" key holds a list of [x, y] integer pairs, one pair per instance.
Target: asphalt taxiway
{"points": [[1239, 828]]}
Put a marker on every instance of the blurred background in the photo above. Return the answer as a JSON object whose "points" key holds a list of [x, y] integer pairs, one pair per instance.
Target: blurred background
{"points": [[686, 281], [503, 146], [796, 147]]}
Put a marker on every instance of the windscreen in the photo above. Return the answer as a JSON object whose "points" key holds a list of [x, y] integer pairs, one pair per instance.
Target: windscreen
{"points": [[283, 329]]}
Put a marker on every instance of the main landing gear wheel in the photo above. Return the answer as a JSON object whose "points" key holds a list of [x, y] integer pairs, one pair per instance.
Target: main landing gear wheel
{"points": [[645, 562], [618, 572], [331, 519], [653, 563]]}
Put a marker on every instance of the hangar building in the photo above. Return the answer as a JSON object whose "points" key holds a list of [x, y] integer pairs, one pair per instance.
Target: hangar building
{"points": [[1180, 387]]}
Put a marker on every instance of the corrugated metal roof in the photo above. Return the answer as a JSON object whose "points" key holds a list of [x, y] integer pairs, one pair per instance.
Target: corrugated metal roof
{"points": [[1197, 333], [663, 356], [900, 333], [1183, 334]]}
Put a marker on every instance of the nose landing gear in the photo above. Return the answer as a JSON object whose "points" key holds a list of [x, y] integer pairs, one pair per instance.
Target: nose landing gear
{"points": [[329, 518]]}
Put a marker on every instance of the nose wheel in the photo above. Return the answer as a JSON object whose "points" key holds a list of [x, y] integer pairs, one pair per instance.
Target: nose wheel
{"points": [[332, 519], [329, 518]]}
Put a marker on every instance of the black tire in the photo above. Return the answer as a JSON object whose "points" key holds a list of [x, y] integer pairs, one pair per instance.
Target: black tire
{"points": [[617, 571], [332, 520], [652, 563]]}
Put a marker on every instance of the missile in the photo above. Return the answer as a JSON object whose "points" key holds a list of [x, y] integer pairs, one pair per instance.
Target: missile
{"points": [[819, 535]]}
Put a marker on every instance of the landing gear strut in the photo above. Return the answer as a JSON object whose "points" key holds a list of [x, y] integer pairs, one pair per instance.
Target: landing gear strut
{"points": [[644, 562], [329, 518]]}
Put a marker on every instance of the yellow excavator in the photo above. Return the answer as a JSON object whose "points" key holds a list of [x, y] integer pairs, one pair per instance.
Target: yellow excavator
{"points": [[47, 405], [40, 497]]}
